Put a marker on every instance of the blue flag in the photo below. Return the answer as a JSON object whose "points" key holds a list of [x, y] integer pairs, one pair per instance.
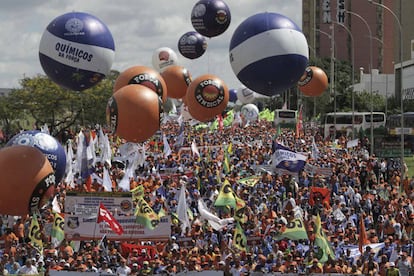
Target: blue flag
{"points": [[284, 158]]}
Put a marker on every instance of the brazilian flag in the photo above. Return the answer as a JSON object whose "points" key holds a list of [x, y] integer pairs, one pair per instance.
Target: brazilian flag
{"points": [[324, 247]]}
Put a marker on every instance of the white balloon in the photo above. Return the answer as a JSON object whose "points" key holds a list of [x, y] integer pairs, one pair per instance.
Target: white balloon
{"points": [[250, 112], [245, 95], [163, 57]]}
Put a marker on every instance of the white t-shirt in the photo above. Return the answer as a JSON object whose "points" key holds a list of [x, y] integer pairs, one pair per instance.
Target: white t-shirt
{"points": [[123, 270], [31, 270]]}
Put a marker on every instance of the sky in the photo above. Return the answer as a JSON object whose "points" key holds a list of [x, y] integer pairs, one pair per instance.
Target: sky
{"points": [[138, 28]]}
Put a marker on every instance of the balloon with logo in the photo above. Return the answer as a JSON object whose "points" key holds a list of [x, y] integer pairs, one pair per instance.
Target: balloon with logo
{"points": [[313, 82], [250, 112], [192, 45], [76, 50], [48, 145], [210, 17], [245, 95], [177, 79], [233, 95], [268, 53], [134, 113], [145, 76], [164, 57], [207, 96], [27, 180]]}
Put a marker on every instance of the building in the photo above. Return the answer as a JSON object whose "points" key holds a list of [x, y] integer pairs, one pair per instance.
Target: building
{"points": [[344, 21]]}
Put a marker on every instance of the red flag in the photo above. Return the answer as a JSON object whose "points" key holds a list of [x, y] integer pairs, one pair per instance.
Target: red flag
{"points": [[363, 237], [220, 122], [299, 123], [318, 194], [105, 215]]}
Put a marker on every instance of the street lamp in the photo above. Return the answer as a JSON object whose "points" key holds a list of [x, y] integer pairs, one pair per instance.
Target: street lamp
{"points": [[332, 73], [401, 80], [352, 73], [370, 86]]}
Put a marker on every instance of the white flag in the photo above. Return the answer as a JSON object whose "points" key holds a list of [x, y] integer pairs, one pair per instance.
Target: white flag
{"points": [[182, 210], [215, 222], [55, 205], [107, 182], [69, 167], [45, 129], [194, 149], [167, 149], [352, 143], [315, 150]]}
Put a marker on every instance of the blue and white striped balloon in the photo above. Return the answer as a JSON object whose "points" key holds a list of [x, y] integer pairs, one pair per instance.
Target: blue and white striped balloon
{"points": [[268, 53], [76, 50]]}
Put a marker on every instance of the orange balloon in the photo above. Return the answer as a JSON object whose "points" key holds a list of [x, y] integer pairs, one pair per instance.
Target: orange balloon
{"points": [[313, 82], [27, 180], [206, 97], [134, 113], [177, 79], [145, 76]]}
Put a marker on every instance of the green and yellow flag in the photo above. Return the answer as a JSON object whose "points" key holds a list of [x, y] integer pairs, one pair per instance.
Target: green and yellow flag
{"points": [[324, 247], [57, 234], [226, 196], [295, 230], [35, 234], [145, 215], [239, 239], [250, 181], [137, 193], [239, 214], [228, 120]]}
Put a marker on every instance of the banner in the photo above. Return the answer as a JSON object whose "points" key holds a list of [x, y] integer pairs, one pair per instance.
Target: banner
{"points": [[57, 233], [284, 158], [312, 170], [239, 240], [35, 234], [225, 196], [79, 227]]}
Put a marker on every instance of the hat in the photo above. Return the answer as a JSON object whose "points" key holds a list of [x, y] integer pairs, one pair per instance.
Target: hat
{"points": [[222, 262], [143, 251], [134, 264], [392, 264], [67, 265], [145, 263]]}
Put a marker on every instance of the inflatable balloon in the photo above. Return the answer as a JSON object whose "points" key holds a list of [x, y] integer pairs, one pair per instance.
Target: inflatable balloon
{"points": [[210, 17], [177, 80], [192, 45], [245, 95], [250, 112], [27, 181], [233, 95], [134, 113], [313, 82], [207, 96], [145, 76], [163, 57], [76, 50], [48, 145], [268, 53]]}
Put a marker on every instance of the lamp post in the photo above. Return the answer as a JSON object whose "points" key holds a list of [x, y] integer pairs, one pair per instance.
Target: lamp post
{"points": [[352, 73], [370, 85], [401, 79], [332, 73]]}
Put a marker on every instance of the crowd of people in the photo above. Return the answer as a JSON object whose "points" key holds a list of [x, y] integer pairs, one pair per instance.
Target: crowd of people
{"points": [[361, 186]]}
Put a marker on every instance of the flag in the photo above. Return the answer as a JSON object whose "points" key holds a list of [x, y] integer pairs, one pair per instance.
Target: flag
{"points": [[167, 149], [105, 148], [145, 215], [105, 215], [250, 181], [352, 143], [225, 196], [85, 154], [239, 213], [239, 239], [44, 129], [69, 167], [237, 120], [35, 234], [226, 162], [324, 247], [55, 204], [294, 230], [315, 150], [107, 181], [182, 210], [319, 195], [229, 118], [57, 234], [284, 107], [194, 149], [220, 122], [284, 158], [137, 192], [363, 237], [215, 222], [299, 122], [88, 183]]}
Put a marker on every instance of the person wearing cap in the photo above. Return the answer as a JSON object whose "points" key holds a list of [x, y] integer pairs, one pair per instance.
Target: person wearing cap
{"points": [[404, 264], [28, 268], [315, 267], [90, 267], [146, 269], [393, 271], [105, 269]]}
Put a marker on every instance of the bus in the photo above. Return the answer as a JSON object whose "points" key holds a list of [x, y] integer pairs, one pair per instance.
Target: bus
{"points": [[285, 118], [393, 127], [342, 125]]}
